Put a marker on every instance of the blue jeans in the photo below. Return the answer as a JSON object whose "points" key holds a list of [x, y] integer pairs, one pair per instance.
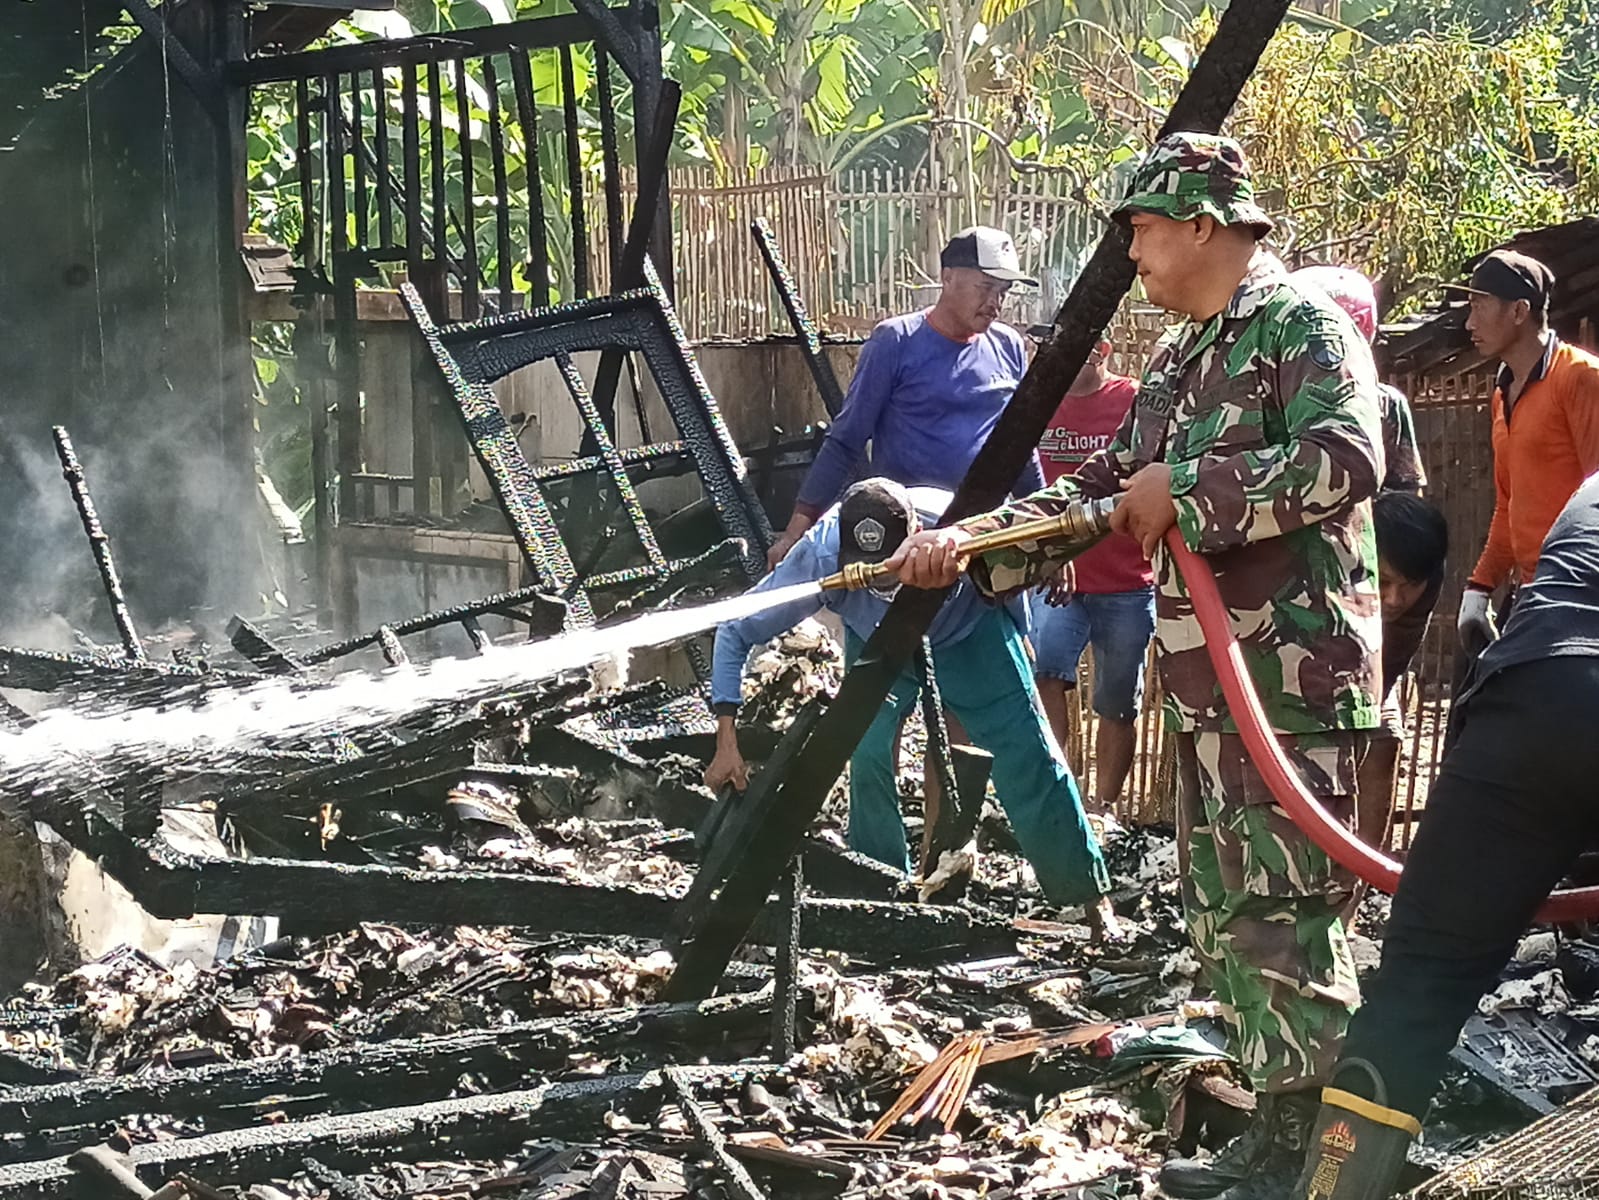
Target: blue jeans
{"points": [[1119, 624], [987, 682]]}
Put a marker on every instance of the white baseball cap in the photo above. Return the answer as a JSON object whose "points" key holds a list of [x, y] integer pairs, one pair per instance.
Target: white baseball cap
{"points": [[986, 249]]}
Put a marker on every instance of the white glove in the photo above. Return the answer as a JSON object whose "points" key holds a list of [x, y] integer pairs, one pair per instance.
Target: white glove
{"points": [[1476, 624]]}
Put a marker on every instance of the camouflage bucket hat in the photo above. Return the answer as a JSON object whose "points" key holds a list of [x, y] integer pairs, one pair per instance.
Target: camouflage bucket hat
{"points": [[1187, 175]]}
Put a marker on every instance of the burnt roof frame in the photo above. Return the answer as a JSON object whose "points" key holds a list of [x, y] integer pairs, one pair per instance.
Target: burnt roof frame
{"points": [[620, 22], [472, 356]]}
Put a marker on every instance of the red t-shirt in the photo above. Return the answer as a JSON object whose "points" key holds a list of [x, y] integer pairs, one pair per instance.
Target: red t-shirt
{"points": [[1082, 426]]}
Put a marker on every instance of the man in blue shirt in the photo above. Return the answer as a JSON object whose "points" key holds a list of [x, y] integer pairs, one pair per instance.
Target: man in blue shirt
{"points": [[929, 386], [984, 675]]}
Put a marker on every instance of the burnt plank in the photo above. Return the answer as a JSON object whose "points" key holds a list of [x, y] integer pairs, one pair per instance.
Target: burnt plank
{"points": [[402, 1071], [476, 1124]]}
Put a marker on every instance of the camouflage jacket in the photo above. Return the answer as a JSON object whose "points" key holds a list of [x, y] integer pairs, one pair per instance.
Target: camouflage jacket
{"points": [[1399, 446], [1268, 416]]}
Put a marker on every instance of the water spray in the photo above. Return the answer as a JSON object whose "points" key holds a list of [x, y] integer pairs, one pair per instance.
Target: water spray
{"points": [[65, 744]]}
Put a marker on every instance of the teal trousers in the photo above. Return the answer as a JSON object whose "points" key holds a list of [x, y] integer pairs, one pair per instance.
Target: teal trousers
{"points": [[987, 682]]}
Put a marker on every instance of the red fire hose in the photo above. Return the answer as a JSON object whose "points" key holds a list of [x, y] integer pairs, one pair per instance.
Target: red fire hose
{"points": [[1337, 842]]}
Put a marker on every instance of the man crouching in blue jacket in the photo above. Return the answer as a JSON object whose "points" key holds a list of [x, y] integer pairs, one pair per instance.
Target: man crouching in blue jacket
{"points": [[985, 677]]}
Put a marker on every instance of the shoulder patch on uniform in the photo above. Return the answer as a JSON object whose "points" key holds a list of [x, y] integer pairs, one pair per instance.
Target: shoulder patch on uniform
{"points": [[1324, 341]]}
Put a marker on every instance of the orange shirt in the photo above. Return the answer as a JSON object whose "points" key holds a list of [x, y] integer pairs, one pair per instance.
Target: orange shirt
{"points": [[1549, 445]]}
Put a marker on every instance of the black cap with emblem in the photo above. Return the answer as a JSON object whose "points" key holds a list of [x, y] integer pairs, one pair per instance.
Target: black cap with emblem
{"points": [[875, 516]]}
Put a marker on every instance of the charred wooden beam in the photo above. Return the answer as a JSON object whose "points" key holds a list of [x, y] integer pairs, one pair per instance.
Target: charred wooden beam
{"points": [[527, 115], [471, 280], [111, 678], [261, 649], [629, 269], [600, 424], [547, 616], [152, 22], [411, 158], [785, 965], [39, 1121], [576, 211], [938, 763], [534, 34], [439, 194], [363, 155], [710, 930], [99, 543], [178, 886], [502, 196], [709, 1136], [810, 339], [474, 1125], [612, 165], [617, 31]]}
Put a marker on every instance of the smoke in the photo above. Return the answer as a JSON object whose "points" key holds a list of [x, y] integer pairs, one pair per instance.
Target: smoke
{"points": [[49, 587], [67, 746], [115, 254]]}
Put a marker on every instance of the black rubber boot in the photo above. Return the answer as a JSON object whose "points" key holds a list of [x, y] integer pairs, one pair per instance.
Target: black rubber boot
{"points": [[1200, 1179], [1358, 1146], [1276, 1171]]}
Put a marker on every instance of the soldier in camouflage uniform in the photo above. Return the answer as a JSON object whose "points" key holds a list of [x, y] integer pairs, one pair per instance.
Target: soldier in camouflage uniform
{"points": [[1255, 432]]}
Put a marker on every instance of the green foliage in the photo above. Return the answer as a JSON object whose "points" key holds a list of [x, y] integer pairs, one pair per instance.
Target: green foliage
{"points": [[1407, 156], [1401, 138]]}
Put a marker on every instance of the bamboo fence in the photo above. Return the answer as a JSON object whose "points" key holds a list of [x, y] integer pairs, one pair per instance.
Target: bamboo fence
{"points": [[862, 244]]}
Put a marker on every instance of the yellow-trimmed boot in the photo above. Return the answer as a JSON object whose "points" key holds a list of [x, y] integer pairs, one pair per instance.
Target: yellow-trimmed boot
{"points": [[1358, 1146]]}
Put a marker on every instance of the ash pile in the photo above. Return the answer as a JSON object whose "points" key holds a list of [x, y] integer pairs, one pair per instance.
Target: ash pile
{"points": [[980, 1047], [517, 1025], [468, 946]]}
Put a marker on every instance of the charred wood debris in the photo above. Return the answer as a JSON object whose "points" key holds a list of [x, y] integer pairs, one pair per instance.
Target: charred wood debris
{"points": [[479, 985], [505, 965]]}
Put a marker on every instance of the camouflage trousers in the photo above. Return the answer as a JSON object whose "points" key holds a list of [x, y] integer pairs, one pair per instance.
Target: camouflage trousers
{"points": [[1266, 909]]}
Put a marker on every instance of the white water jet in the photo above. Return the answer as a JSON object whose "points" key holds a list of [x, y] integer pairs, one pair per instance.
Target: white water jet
{"points": [[278, 710]]}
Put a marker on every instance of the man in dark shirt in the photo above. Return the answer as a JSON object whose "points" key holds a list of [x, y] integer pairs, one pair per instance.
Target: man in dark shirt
{"points": [[1511, 810]]}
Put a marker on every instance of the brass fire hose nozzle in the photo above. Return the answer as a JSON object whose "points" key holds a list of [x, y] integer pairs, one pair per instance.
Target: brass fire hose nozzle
{"points": [[1080, 525]]}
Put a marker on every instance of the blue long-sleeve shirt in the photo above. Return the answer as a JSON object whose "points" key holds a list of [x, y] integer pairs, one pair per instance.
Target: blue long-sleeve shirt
{"points": [[925, 403], [815, 556]]}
